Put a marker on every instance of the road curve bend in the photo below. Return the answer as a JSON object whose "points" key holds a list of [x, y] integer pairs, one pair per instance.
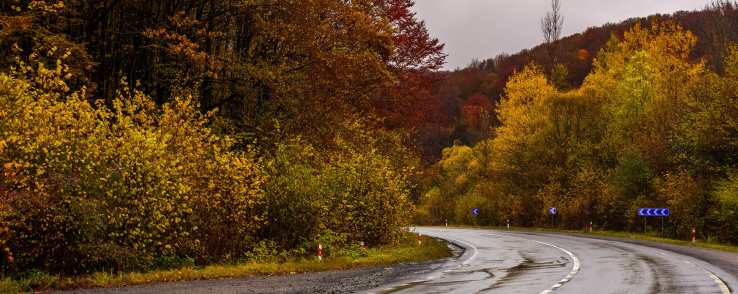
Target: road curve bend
{"points": [[513, 261]]}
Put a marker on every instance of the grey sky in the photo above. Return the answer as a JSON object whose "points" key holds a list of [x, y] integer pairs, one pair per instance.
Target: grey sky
{"points": [[485, 28]]}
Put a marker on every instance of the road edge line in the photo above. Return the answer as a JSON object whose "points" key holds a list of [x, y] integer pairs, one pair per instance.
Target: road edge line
{"points": [[721, 284], [470, 245]]}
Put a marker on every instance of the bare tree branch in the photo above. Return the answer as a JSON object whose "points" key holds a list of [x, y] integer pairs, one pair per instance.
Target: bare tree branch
{"points": [[551, 26]]}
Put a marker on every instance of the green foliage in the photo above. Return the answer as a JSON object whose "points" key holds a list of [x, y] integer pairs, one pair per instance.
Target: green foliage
{"points": [[465, 204], [632, 177], [171, 262], [356, 192], [559, 75], [727, 197]]}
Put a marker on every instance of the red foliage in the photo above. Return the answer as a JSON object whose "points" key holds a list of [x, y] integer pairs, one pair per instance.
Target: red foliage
{"points": [[482, 101], [407, 103]]}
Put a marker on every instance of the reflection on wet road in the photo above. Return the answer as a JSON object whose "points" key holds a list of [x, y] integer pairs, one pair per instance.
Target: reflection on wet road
{"points": [[508, 261]]}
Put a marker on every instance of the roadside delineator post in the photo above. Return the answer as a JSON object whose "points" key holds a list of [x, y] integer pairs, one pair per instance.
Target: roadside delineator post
{"points": [[419, 238], [320, 252], [694, 232], [120, 269], [590, 227], [447, 223], [508, 224], [361, 244]]}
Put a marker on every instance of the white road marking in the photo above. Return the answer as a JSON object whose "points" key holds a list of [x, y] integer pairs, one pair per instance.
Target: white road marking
{"points": [[720, 283], [470, 245], [432, 277], [717, 280], [573, 272]]}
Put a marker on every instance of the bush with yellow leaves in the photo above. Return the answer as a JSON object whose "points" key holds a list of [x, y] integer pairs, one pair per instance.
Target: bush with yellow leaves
{"points": [[86, 185], [355, 192]]}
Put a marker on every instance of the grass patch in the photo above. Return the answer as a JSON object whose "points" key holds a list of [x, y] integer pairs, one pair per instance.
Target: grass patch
{"points": [[654, 237], [351, 258]]}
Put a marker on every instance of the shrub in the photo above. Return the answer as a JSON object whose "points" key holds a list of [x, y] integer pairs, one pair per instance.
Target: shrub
{"points": [[87, 185]]}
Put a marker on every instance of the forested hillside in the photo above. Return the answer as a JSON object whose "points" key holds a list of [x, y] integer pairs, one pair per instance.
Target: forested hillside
{"points": [[638, 114], [219, 130], [458, 118]]}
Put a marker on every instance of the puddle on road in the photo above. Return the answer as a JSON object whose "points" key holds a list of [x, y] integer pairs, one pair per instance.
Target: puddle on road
{"points": [[487, 271], [663, 273], [528, 264]]}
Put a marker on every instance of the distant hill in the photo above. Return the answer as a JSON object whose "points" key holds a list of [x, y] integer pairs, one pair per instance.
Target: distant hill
{"points": [[715, 26]]}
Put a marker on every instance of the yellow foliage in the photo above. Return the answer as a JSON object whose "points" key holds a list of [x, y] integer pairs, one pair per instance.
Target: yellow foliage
{"points": [[648, 128], [120, 176]]}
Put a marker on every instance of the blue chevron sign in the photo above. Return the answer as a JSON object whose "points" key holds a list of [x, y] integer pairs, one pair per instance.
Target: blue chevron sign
{"points": [[653, 212], [552, 210], [475, 211]]}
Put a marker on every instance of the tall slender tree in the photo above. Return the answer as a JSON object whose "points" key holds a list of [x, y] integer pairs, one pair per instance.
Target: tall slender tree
{"points": [[551, 26]]}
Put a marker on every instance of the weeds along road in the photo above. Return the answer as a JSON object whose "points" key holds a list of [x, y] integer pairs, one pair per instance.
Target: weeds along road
{"points": [[508, 261]]}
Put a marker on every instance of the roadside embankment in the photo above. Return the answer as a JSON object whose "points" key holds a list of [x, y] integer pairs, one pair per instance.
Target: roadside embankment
{"points": [[371, 266]]}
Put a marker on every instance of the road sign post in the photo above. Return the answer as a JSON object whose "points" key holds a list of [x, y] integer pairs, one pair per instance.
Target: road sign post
{"points": [[552, 211], [646, 212]]}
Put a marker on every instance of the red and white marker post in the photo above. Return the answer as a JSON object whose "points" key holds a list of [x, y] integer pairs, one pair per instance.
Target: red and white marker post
{"points": [[447, 223], [694, 232], [361, 244], [320, 252], [508, 224], [590, 227], [420, 238]]}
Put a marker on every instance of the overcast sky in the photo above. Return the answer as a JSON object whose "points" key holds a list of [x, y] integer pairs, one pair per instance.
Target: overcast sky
{"points": [[485, 28]]}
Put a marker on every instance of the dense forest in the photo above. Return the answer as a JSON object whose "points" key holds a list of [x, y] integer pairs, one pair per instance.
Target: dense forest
{"points": [[637, 114], [215, 130]]}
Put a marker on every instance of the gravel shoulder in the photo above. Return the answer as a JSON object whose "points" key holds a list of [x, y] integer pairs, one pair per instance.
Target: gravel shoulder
{"points": [[345, 281]]}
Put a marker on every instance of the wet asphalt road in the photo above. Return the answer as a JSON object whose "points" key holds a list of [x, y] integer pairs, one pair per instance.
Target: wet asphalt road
{"points": [[509, 261], [505, 261]]}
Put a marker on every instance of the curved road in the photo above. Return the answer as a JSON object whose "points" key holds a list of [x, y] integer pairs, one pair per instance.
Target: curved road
{"points": [[510, 261]]}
